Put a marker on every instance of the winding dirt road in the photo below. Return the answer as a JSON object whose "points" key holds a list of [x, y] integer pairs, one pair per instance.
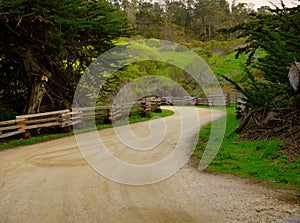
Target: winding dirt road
{"points": [[52, 182]]}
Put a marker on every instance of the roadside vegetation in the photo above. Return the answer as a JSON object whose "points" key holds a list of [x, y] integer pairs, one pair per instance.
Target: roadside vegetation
{"points": [[263, 160]]}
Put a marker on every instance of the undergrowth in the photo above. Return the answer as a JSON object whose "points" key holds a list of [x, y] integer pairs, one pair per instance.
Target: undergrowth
{"points": [[263, 160]]}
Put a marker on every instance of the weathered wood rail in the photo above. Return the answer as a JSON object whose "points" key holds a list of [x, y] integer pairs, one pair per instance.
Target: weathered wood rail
{"points": [[211, 100], [11, 128], [66, 118], [25, 123]]}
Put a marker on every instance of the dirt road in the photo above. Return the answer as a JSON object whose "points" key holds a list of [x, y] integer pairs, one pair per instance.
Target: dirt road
{"points": [[52, 182]]}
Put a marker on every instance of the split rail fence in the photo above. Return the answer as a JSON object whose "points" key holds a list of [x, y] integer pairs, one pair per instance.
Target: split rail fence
{"points": [[66, 118]]}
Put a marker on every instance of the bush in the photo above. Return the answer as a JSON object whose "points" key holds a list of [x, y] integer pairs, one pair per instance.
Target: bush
{"points": [[7, 113]]}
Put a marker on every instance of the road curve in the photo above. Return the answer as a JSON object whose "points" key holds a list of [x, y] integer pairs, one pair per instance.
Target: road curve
{"points": [[52, 182]]}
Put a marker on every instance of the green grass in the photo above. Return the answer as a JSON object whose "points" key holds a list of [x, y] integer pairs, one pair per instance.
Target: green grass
{"points": [[225, 62], [133, 119], [32, 140], [262, 160]]}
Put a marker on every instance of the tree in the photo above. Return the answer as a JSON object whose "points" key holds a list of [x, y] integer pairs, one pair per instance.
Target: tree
{"points": [[150, 20], [273, 104], [177, 13], [52, 42], [278, 34]]}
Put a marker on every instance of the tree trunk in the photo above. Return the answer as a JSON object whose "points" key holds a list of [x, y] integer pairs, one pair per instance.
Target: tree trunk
{"points": [[37, 79], [37, 93], [294, 76]]}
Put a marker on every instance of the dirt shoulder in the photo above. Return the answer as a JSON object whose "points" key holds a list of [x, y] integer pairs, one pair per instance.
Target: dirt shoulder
{"points": [[52, 182]]}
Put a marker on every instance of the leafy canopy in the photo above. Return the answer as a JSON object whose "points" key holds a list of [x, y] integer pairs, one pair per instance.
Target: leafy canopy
{"points": [[53, 38]]}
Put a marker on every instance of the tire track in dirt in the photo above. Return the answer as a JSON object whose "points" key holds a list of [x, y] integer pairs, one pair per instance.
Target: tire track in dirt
{"points": [[52, 182]]}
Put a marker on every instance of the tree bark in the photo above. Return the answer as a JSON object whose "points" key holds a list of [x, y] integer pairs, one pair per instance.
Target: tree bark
{"points": [[37, 79], [294, 76], [37, 93]]}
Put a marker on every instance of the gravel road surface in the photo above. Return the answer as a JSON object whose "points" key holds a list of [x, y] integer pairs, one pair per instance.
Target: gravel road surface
{"points": [[52, 182]]}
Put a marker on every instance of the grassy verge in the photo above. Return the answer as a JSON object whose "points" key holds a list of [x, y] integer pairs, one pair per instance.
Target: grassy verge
{"points": [[261, 160], [133, 119]]}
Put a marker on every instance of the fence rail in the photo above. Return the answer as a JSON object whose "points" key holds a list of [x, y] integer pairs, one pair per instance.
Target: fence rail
{"points": [[11, 128], [66, 118]]}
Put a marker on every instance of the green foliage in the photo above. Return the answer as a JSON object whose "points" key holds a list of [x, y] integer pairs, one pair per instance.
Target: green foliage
{"points": [[61, 24], [149, 20], [219, 55], [259, 160], [154, 67], [6, 113], [168, 80], [57, 39], [36, 139], [278, 35], [184, 20]]}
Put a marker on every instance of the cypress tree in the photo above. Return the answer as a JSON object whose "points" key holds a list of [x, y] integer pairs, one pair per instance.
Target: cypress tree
{"points": [[52, 42]]}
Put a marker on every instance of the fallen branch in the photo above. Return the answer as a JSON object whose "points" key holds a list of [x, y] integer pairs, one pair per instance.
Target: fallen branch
{"points": [[242, 125]]}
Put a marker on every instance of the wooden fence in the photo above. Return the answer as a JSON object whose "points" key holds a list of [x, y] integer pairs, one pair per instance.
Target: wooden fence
{"points": [[66, 118], [214, 100], [211, 100], [25, 123], [11, 128]]}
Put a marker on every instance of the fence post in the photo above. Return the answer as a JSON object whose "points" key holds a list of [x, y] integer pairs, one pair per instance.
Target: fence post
{"points": [[22, 124], [227, 101], [157, 108], [64, 118], [76, 118], [146, 110], [108, 118]]}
